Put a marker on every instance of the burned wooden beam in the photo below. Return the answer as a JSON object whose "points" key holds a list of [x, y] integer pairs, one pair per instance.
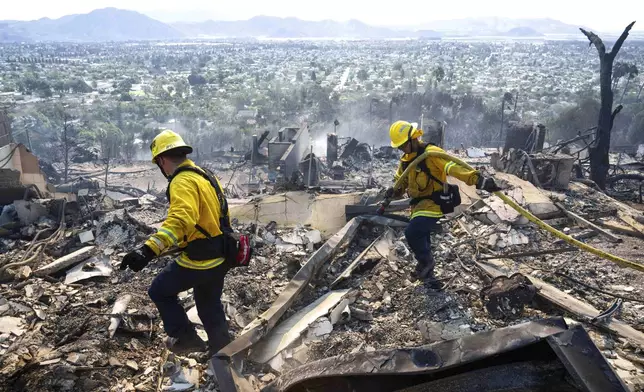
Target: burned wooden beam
{"points": [[586, 223], [581, 309]]}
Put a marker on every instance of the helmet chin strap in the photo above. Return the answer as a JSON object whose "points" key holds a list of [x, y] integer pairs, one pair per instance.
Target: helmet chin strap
{"points": [[162, 171]]}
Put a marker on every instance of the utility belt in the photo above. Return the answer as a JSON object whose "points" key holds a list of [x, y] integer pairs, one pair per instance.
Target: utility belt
{"points": [[235, 248], [447, 199]]}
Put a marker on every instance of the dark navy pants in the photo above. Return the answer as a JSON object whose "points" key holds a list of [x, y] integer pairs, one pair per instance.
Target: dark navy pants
{"points": [[207, 285], [417, 234]]}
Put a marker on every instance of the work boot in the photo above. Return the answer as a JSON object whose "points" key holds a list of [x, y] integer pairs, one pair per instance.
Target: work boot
{"points": [[187, 344], [425, 268]]}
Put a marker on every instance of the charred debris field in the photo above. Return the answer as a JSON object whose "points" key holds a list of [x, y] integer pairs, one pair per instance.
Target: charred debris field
{"points": [[71, 320]]}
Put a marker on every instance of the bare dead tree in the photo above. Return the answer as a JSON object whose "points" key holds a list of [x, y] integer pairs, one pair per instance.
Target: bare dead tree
{"points": [[599, 164]]}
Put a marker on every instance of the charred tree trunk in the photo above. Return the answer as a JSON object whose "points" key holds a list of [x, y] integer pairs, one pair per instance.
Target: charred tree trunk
{"points": [[640, 92], [599, 150], [516, 100], [502, 111]]}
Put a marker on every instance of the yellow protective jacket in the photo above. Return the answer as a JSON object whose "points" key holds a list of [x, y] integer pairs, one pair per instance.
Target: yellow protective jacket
{"points": [[418, 184], [192, 201]]}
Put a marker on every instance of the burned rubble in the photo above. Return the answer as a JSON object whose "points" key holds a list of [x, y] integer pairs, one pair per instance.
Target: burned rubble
{"points": [[328, 278]]}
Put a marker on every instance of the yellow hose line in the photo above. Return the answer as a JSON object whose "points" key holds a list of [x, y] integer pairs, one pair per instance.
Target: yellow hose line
{"points": [[526, 213]]}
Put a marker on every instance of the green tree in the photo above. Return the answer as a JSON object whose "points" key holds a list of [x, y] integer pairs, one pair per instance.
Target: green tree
{"points": [[575, 119], [196, 80], [636, 129], [438, 74]]}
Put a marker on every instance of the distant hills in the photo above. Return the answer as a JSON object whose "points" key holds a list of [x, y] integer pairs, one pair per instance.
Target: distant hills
{"points": [[111, 24], [497, 26], [108, 24], [275, 27]]}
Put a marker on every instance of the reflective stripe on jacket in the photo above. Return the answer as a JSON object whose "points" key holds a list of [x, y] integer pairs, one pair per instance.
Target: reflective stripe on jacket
{"points": [[193, 201], [418, 184]]}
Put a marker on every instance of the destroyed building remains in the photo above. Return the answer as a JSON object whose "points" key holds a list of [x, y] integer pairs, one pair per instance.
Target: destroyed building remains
{"points": [[329, 291]]}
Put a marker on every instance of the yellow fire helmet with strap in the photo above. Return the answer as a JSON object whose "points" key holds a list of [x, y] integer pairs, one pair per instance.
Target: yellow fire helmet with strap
{"points": [[166, 141], [401, 131]]}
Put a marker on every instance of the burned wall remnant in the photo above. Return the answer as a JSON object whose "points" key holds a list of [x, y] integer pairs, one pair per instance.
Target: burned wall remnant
{"points": [[5, 129], [20, 171], [278, 145], [331, 148], [292, 144], [528, 137], [545, 170]]}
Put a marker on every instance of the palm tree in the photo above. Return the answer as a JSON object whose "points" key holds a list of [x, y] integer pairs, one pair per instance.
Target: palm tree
{"points": [[507, 97], [620, 69], [632, 73]]}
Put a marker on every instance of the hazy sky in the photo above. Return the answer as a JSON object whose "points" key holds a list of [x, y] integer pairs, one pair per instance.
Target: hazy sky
{"points": [[378, 12]]}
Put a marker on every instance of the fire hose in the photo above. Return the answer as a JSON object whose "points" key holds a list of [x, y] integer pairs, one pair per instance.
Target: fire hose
{"points": [[527, 214]]}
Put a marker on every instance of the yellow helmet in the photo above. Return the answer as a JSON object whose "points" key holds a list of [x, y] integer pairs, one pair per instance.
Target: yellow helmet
{"points": [[401, 131], [165, 141]]}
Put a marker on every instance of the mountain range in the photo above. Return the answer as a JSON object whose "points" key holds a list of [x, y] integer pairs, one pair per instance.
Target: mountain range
{"points": [[494, 26], [107, 24], [111, 24]]}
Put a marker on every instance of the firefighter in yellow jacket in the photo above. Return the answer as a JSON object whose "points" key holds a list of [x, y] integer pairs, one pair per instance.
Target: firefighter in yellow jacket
{"points": [[420, 184], [194, 220]]}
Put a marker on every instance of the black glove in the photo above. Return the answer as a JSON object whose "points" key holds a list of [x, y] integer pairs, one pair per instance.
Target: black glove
{"points": [[389, 193], [138, 259], [487, 184]]}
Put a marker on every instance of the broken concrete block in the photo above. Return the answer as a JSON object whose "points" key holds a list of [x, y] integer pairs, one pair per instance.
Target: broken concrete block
{"points": [[269, 237], [292, 238], [314, 237], [132, 365], [319, 329], [86, 236], [286, 248], [193, 316], [113, 361], [623, 364], [23, 272], [12, 325], [76, 358], [475, 152], [529, 196]]}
